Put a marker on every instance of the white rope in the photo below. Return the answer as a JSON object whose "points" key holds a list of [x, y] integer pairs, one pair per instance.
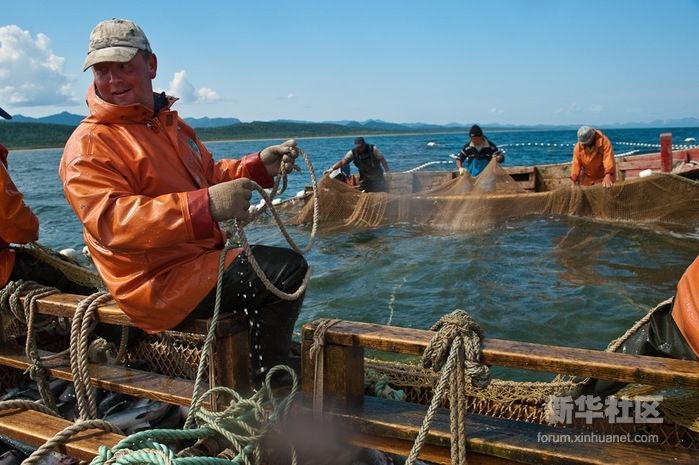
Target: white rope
{"points": [[269, 204], [631, 144], [429, 163], [674, 146]]}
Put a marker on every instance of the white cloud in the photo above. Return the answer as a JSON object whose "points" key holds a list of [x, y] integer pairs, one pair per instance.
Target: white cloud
{"points": [[596, 108], [30, 73], [289, 96], [496, 111], [182, 88]]}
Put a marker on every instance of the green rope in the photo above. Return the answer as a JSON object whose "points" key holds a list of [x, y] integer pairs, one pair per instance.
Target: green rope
{"points": [[242, 425]]}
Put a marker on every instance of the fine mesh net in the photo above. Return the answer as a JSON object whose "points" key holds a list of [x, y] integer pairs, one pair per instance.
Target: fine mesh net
{"points": [[463, 203]]}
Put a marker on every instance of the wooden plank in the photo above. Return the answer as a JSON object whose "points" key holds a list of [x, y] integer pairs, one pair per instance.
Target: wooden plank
{"points": [[137, 383], [343, 382], [64, 305], [35, 428], [509, 440], [519, 169], [429, 453], [538, 357], [638, 165], [232, 344], [343, 375]]}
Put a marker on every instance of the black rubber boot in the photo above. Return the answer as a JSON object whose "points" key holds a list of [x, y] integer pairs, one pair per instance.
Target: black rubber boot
{"points": [[272, 319], [658, 337]]}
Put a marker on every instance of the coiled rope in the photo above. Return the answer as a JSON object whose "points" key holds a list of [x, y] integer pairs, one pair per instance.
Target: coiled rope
{"points": [[455, 351], [242, 425], [10, 304], [82, 325]]}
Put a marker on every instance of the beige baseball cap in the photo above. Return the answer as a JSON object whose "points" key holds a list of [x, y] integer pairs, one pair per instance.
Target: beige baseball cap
{"points": [[115, 40], [585, 134]]}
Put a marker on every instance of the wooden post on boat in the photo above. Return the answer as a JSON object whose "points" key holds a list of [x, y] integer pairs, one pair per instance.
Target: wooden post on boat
{"points": [[666, 152], [342, 379]]}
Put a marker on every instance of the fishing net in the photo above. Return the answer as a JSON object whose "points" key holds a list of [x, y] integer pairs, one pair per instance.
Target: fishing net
{"points": [[462, 203], [72, 270], [533, 401]]}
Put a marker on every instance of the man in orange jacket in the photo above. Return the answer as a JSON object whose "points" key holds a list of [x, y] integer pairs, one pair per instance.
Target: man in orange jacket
{"points": [[19, 225], [593, 159], [150, 196]]}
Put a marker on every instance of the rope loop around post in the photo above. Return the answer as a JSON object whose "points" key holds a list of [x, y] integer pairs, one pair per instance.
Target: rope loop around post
{"points": [[458, 327], [455, 352]]}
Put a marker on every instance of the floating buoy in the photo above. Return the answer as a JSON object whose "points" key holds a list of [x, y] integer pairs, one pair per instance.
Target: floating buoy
{"points": [[431, 144], [690, 139]]}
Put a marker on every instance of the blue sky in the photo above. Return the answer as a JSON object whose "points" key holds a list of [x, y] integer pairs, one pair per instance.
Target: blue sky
{"points": [[496, 61]]}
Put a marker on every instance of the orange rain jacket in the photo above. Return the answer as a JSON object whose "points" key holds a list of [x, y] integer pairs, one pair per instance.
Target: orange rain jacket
{"points": [[17, 222], [138, 184], [685, 309], [590, 168]]}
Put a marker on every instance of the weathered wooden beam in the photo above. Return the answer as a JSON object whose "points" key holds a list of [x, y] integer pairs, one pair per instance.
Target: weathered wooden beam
{"points": [[392, 426], [137, 383], [538, 357], [231, 362], [35, 428]]}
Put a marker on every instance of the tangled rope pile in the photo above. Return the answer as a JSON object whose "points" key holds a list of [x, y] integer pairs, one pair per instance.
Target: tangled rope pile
{"points": [[242, 426]]}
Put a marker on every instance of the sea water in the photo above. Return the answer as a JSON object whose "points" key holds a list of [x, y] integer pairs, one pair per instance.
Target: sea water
{"points": [[560, 281]]}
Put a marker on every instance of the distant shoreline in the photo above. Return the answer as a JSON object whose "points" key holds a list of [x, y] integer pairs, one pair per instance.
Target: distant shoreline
{"points": [[388, 134], [367, 134]]}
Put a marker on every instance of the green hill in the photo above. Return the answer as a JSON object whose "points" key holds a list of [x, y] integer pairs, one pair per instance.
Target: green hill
{"points": [[34, 135], [285, 130], [37, 135]]}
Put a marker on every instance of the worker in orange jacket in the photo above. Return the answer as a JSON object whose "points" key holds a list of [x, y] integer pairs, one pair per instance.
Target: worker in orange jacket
{"points": [[150, 195], [19, 225], [593, 159], [685, 308]]}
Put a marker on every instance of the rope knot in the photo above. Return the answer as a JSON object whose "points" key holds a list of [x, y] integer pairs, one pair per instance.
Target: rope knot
{"points": [[458, 331]]}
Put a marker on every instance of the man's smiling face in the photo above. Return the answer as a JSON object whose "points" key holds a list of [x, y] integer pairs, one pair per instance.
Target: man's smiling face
{"points": [[127, 83]]}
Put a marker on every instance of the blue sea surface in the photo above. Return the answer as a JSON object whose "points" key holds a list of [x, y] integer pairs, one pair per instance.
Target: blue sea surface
{"points": [[561, 281]]}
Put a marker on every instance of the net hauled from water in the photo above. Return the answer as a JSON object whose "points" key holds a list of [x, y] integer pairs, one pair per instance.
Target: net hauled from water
{"points": [[463, 203]]}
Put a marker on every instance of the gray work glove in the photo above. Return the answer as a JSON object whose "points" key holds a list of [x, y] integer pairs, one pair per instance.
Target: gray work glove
{"points": [[230, 199], [274, 155]]}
